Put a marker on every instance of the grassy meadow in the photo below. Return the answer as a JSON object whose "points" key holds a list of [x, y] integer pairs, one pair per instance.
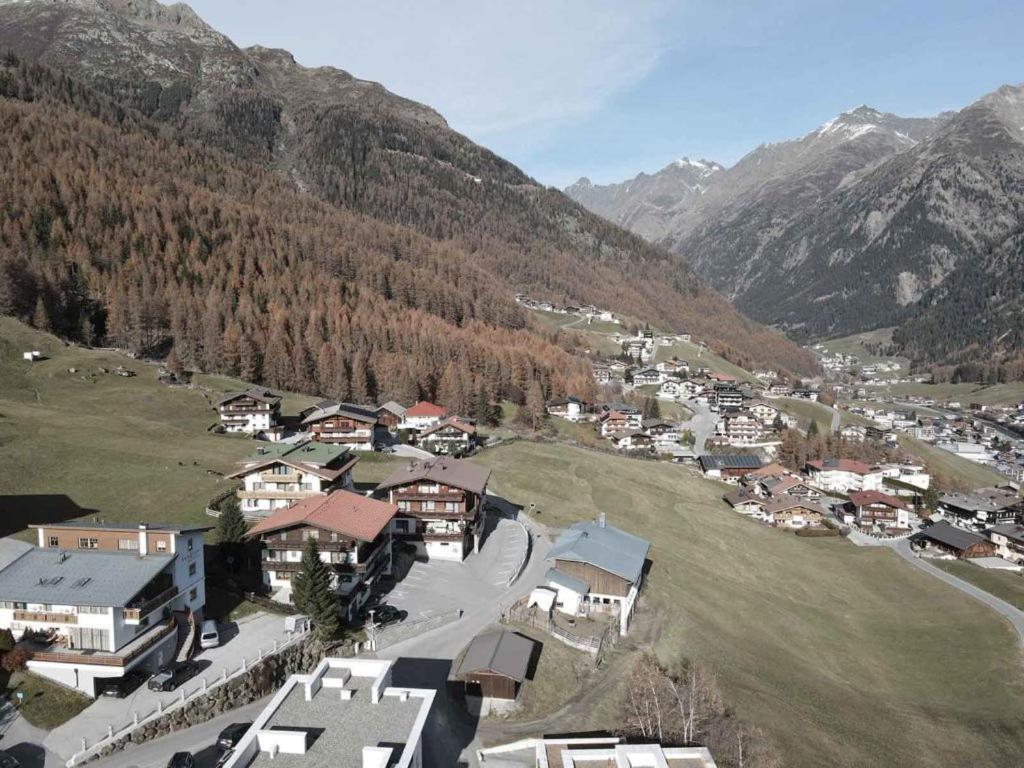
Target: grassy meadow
{"points": [[1005, 585], [844, 656]]}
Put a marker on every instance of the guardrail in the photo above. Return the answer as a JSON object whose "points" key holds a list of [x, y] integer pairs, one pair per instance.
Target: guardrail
{"points": [[114, 734], [397, 633], [518, 570]]}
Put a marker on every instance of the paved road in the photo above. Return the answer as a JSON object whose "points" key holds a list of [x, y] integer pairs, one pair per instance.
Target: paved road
{"points": [[23, 741], [411, 451], [702, 425], [244, 640], [1004, 609]]}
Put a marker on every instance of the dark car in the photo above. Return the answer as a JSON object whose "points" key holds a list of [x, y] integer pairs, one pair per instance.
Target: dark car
{"points": [[8, 760], [170, 677], [231, 735], [388, 614], [181, 760], [119, 687]]}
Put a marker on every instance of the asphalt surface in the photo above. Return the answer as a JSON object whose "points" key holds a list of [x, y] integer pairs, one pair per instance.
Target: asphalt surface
{"points": [[701, 425]]}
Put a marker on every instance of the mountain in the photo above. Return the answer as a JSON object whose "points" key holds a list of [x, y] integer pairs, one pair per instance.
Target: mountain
{"points": [[361, 148], [874, 220], [645, 203]]}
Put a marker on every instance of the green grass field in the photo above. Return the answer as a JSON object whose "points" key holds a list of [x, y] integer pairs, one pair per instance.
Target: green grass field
{"points": [[997, 394], [855, 345], [845, 656], [1005, 585], [698, 358], [945, 463], [44, 704], [805, 411], [124, 449]]}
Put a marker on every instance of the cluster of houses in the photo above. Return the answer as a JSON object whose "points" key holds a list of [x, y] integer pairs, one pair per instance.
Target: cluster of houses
{"points": [[624, 426], [588, 311], [257, 412]]}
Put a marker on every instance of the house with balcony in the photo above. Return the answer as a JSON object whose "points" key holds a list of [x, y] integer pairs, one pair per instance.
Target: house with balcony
{"points": [[95, 601], [618, 422], [440, 506], [792, 512], [252, 411], [873, 509], [739, 429], [343, 424], [422, 415], [452, 437], [279, 474], [569, 408], [982, 507], [844, 475], [1008, 539], [390, 415], [353, 534]]}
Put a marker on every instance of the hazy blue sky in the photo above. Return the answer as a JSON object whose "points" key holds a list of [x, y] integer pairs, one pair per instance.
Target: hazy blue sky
{"points": [[606, 88]]}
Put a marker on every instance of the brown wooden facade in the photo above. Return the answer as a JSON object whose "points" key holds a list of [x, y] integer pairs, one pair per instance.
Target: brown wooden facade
{"points": [[106, 539], [342, 429], [490, 685], [600, 581]]}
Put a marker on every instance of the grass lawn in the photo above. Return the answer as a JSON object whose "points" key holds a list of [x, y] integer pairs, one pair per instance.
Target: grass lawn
{"points": [[45, 704], [1005, 585], [945, 463], [806, 411], [855, 345], [559, 673], [845, 656], [997, 394], [698, 358]]}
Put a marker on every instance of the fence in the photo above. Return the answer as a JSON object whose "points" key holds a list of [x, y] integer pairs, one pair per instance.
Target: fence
{"points": [[213, 506], [113, 734], [518, 570], [520, 613]]}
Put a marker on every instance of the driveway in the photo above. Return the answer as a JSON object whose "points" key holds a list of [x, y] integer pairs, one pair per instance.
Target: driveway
{"points": [[411, 451], [702, 425], [243, 640]]}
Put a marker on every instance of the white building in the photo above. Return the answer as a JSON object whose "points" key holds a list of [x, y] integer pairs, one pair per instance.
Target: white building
{"points": [[670, 390], [359, 716], [592, 752], [844, 475], [107, 598], [570, 408], [423, 415], [279, 474], [252, 411], [739, 429]]}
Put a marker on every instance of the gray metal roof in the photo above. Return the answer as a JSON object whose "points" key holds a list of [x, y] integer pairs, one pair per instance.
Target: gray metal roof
{"points": [[606, 547], [11, 550], [729, 461], [460, 474], [79, 577], [503, 652], [562, 579], [949, 535], [326, 410]]}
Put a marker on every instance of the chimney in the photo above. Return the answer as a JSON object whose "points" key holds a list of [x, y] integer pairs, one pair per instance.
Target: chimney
{"points": [[601, 521], [143, 540], [376, 757]]}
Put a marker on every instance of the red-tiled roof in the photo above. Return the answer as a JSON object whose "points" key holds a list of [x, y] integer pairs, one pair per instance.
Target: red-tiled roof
{"points": [[350, 514], [455, 423], [842, 465], [423, 408], [863, 498]]}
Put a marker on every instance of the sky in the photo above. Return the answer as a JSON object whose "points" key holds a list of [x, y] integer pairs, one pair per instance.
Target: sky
{"points": [[608, 88]]}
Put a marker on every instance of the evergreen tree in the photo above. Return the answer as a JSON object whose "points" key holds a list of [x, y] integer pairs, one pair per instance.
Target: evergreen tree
{"points": [[651, 409], [231, 526], [313, 592]]}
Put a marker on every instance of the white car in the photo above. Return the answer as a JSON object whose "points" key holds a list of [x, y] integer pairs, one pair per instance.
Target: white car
{"points": [[209, 637]]}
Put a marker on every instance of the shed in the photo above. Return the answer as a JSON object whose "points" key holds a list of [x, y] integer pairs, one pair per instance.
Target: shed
{"points": [[495, 664]]}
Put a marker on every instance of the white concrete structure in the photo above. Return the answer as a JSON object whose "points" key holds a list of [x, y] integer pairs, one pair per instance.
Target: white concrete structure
{"points": [[844, 475], [593, 752], [252, 411]]}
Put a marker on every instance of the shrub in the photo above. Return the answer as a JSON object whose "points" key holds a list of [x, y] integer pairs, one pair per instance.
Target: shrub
{"points": [[15, 659], [6, 640], [816, 533]]}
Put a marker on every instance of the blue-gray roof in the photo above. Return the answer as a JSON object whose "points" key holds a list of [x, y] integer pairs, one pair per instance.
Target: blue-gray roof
{"points": [[555, 576], [606, 547], [94, 578], [729, 461]]}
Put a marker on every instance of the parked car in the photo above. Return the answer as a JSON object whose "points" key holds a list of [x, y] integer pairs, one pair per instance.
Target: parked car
{"points": [[209, 637], [119, 687], [388, 614], [231, 735], [171, 676], [181, 760], [8, 760]]}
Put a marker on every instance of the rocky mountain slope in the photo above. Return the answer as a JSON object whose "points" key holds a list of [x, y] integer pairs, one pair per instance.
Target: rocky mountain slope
{"points": [[359, 147]]}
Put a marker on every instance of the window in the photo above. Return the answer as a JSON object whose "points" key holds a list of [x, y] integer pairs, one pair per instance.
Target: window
{"points": [[89, 639], [54, 542], [190, 543], [401, 525], [161, 546], [191, 569], [428, 506], [7, 605], [88, 543], [450, 506], [334, 535], [93, 609], [281, 469], [193, 593], [283, 575], [428, 489], [403, 506], [128, 544]]}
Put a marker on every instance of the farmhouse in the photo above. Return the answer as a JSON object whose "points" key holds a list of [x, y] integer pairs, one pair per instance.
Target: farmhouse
{"points": [[423, 415], [663, 433], [728, 467], [493, 669], [254, 410], [844, 475], [454, 437], [947, 539], [670, 389], [792, 512], [791, 486], [352, 534], [873, 508], [277, 475], [746, 502], [598, 568], [344, 424], [440, 506], [103, 599], [766, 413]]}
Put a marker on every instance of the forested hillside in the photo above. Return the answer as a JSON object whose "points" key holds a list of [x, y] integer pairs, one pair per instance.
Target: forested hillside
{"points": [[355, 145]]}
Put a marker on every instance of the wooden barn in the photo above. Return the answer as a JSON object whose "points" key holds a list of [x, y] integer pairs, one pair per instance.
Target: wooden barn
{"points": [[494, 666]]}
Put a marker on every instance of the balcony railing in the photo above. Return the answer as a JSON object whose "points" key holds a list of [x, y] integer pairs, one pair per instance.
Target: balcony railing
{"points": [[46, 618], [290, 477], [105, 658], [413, 494], [135, 614], [277, 494]]}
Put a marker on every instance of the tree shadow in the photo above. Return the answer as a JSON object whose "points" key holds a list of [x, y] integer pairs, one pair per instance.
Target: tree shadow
{"points": [[19, 511]]}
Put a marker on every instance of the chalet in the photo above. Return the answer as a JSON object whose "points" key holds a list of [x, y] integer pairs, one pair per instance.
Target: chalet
{"points": [[791, 485], [390, 415], [602, 374], [728, 467], [570, 408], [739, 429], [689, 389], [353, 536], [766, 413], [647, 377], [617, 422], [598, 568], [947, 539], [453, 437], [670, 389], [661, 432], [254, 410], [493, 669], [728, 396], [101, 600], [440, 506], [780, 389], [853, 433], [344, 424], [806, 394], [792, 512], [617, 369], [277, 475], [746, 502], [1008, 539], [985, 506], [631, 440], [844, 475], [870, 509], [423, 415], [672, 367]]}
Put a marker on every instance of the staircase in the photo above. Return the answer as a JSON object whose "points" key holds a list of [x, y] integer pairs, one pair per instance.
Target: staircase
{"points": [[187, 631]]}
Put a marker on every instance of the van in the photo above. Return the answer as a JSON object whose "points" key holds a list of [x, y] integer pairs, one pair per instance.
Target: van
{"points": [[208, 635]]}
